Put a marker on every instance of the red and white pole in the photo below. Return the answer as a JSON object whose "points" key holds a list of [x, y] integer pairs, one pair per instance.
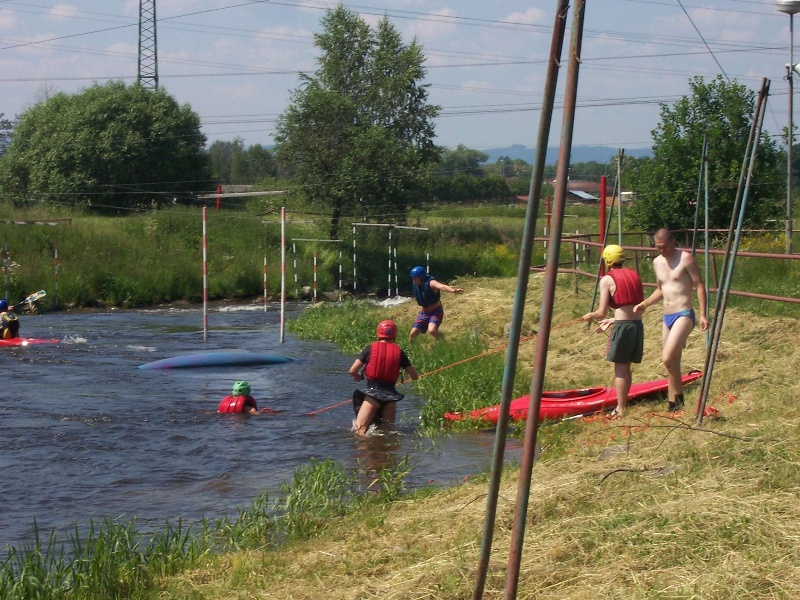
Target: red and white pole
{"points": [[55, 273], [205, 276], [265, 282], [315, 276], [5, 267], [283, 273]]}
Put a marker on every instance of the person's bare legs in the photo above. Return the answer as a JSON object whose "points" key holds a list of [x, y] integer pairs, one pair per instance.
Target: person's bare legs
{"points": [[672, 344], [433, 329], [622, 383], [389, 413], [369, 408], [415, 331]]}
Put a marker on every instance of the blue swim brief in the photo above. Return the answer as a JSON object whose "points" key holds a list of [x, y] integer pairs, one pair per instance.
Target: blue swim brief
{"points": [[669, 320]]}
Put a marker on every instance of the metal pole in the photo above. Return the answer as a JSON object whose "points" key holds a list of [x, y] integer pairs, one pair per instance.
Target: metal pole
{"points": [[620, 154], [523, 276], [548, 296], [790, 78], [722, 295]]}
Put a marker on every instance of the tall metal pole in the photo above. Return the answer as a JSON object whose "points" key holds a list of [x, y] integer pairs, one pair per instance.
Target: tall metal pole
{"points": [[548, 296], [790, 141], [791, 8], [523, 274]]}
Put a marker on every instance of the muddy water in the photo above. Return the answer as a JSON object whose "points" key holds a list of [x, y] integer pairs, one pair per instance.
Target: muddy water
{"points": [[85, 434]]}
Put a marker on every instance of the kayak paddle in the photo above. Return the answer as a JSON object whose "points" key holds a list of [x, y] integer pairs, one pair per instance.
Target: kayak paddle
{"points": [[32, 298]]}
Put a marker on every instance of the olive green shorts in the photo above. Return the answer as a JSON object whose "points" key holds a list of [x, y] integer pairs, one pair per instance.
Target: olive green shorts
{"points": [[626, 344]]}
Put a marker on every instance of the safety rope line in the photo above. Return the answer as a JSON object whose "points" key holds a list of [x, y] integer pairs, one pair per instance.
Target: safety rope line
{"points": [[488, 352], [460, 362]]}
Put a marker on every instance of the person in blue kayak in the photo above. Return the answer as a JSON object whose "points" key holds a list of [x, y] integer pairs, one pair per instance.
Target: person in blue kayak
{"points": [[428, 292], [621, 289], [381, 362], [9, 323]]}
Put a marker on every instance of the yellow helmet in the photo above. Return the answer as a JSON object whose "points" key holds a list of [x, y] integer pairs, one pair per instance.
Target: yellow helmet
{"points": [[613, 254]]}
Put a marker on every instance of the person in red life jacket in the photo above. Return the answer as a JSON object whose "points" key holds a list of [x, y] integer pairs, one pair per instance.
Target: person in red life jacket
{"points": [[381, 361], [428, 292], [621, 289], [240, 401]]}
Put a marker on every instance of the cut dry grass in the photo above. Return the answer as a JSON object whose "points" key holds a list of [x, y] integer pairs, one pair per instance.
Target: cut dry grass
{"points": [[650, 506]]}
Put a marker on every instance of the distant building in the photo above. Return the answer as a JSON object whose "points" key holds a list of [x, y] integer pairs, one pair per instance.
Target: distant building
{"points": [[588, 192]]}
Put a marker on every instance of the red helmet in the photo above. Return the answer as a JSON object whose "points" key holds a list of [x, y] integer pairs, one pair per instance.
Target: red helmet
{"points": [[387, 330]]}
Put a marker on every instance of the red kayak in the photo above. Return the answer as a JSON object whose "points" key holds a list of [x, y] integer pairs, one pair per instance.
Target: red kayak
{"points": [[569, 403], [21, 341]]}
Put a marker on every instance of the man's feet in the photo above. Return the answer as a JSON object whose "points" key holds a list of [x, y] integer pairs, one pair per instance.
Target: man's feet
{"points": [[677, 404]]}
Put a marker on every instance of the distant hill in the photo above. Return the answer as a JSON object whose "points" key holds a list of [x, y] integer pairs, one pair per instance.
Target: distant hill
{"points": [[580, 154]]}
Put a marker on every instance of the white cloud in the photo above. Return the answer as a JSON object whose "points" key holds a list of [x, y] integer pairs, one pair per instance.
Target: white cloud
{"points": [[60, 12], [7, 20], [532, 16]]}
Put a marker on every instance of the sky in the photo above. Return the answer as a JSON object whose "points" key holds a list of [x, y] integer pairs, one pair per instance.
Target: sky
{"points": [[236, 62]]}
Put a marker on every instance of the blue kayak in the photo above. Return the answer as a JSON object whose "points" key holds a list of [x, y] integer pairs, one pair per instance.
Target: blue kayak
{"points": [[216, 359]]}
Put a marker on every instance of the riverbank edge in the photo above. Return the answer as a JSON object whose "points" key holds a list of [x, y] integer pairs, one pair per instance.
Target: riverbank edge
{"points": [[624, 501]]}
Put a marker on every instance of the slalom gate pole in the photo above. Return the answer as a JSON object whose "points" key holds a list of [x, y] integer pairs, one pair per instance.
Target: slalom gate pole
{"points": [[55, 274], [205, 275], [283, 274]]}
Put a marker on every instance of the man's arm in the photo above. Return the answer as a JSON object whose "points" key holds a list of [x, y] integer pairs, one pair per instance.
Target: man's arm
{"points": [[412, 372], [697, 280], [354, 370], [438, 285], [605, 300]]}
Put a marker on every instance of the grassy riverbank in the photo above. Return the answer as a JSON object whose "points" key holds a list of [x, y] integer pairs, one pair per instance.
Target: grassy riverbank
{"points": [[650, 506]]}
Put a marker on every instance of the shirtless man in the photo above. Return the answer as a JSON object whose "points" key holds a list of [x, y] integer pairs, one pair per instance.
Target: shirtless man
{"points": [[676, 271]]}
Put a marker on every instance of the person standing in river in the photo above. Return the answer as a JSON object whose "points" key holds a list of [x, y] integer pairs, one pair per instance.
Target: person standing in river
{"points": [[428, 292], [381, 362], [676, 272]]}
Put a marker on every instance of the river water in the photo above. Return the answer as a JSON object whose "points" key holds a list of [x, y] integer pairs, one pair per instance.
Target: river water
{"points": [[85, 434]]}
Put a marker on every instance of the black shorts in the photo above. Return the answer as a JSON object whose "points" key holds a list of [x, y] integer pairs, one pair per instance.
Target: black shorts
{"points": [[627, 342]]}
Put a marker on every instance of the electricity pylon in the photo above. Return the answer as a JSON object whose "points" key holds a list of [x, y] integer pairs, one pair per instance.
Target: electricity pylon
{"points": [[147, 74]]}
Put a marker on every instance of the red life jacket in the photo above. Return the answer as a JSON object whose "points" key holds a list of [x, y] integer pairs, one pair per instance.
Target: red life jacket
{"points": [[629, 287], [236, 404], [384, 362]]}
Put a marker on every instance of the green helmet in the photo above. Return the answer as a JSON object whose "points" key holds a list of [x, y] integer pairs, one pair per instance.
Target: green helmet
{"points": [[241, 388]]}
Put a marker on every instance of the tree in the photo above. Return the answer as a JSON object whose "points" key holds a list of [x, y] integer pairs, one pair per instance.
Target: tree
{"points": [[231, 162], [109, 147], [358, 134], [665, 185], [6, 128], [462, 161]]}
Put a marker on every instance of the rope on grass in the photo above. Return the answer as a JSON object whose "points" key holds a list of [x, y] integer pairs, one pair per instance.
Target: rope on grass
{"points": [[460, 362], [498, 349]]}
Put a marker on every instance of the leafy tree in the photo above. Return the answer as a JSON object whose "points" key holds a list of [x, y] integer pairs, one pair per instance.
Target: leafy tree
{"points": [[6, 128], [112, 146], [231, 162], [462, 161], [665, 185], [358, 134], [254, 164]]}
